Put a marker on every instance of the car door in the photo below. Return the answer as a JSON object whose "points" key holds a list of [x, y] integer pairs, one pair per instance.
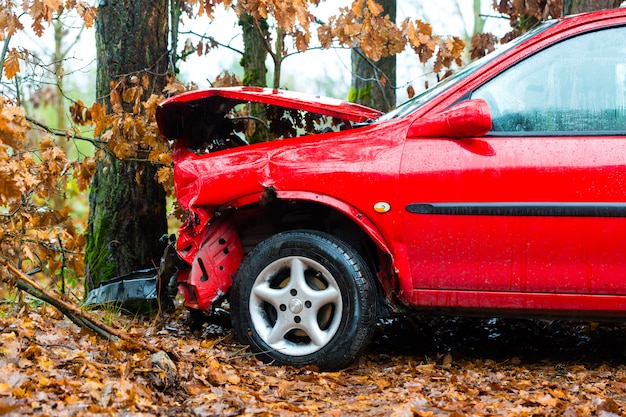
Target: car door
{"points": [[539, 204]]}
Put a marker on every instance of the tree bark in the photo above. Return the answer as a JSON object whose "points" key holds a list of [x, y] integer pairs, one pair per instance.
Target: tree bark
{"points": [[580, 6], [373, 82], [127, 206], [255, 50]]}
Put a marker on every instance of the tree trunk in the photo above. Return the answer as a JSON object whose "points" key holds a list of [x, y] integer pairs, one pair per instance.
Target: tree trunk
{"points": [[580, 6], [479, 20], [127, 206], [278, 57], [373, 83], [255, 50]]}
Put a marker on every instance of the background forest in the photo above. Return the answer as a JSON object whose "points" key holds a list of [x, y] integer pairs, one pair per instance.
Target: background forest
{"points": [[79, 86]]}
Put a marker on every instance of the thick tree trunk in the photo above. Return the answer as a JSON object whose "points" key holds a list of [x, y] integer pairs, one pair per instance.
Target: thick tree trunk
{"points": [[373, 83], [580, 6], [127, 206], [255, 51]]}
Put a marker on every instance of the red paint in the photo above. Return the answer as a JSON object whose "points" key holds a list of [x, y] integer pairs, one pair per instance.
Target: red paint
{"points": [[214, 255]]}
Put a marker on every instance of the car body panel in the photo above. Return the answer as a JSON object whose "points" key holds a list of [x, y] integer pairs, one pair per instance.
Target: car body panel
{"points": [[467, 220], [531, 224], [214, 255]]}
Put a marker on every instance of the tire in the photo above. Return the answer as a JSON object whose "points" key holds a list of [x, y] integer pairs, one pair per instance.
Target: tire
{"points": [[304, 298]]}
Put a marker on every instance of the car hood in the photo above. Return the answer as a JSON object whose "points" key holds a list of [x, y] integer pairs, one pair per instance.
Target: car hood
{"points": [[171, 113]]}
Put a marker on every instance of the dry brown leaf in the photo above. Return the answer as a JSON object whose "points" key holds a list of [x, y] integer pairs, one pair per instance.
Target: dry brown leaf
{"points": [[12, 63]]}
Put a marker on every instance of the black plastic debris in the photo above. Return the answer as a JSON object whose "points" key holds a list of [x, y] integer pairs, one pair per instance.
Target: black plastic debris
{"points": [[137, 286], [144, 290]]}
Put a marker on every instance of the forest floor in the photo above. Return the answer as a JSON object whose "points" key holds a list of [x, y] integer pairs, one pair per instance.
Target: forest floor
{"points": [[414, 367]]}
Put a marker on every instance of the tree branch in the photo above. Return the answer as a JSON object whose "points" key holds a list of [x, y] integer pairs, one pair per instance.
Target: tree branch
{"points": [[213, 40], [63, 133], [5, 50]]}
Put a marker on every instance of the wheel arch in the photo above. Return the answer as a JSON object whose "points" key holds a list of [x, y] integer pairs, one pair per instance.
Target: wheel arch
{"points": [[263, 215]]}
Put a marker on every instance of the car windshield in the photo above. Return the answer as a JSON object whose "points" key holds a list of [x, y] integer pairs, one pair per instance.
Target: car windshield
{"points": [[414, 103]]}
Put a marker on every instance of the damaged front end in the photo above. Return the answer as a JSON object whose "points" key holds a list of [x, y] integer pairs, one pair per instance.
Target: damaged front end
{"points": [[210, 245], [212, 180]]}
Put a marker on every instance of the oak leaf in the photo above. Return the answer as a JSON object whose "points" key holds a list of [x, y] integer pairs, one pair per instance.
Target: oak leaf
{"points": [[76, 112], [482, 44], [374, 8], [164, 176], [12, 63], [9, 23], [87, 13]]}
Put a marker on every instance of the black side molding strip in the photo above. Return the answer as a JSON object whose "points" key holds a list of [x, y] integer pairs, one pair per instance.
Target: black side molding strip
{"points": [[521, 209]]}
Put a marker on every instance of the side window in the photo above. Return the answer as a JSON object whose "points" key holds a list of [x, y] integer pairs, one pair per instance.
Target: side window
{"points": [[577, 85]]}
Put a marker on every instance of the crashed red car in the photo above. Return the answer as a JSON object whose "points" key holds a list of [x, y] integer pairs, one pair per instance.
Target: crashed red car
{"points": [[500, 191]]}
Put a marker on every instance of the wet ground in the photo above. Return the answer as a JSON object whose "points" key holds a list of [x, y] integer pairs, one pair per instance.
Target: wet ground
{"points": [[501, 339], [527, 340]]}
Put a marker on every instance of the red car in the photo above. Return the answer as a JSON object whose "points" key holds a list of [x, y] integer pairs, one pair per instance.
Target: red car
{"points": [[502, 190]]}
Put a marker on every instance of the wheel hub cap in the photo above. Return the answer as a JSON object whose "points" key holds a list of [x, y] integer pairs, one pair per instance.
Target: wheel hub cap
{"points": [[295, 306]]}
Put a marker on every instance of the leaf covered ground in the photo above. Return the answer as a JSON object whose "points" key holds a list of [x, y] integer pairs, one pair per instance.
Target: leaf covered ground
{"points": [[427, 367]]}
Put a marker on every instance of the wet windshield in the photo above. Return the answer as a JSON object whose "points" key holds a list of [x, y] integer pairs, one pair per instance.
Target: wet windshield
{"points": [[417, 101]]}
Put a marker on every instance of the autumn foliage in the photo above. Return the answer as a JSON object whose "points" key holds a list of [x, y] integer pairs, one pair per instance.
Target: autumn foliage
{"points": [[365, 25], [37, 232], [50, 367], [41, 13], [33, 233], [130, 130], [524, 14]]}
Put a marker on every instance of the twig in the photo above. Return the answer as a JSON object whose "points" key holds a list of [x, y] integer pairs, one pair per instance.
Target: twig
{"points": [[62, 133], [47, 345]]}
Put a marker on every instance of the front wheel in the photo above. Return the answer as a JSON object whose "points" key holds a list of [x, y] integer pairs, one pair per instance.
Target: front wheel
{"points": [[304, 298]]}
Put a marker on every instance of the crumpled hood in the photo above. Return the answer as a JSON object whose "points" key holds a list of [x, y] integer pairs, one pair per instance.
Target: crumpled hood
{"points": [[172, 112]]}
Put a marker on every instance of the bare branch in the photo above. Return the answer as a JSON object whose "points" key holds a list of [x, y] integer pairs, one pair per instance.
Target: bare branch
{"points": [[213, 40], [62, 133]]}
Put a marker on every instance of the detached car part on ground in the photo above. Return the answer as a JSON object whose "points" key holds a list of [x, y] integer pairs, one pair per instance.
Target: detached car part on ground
{"points": [[500, 191]]}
